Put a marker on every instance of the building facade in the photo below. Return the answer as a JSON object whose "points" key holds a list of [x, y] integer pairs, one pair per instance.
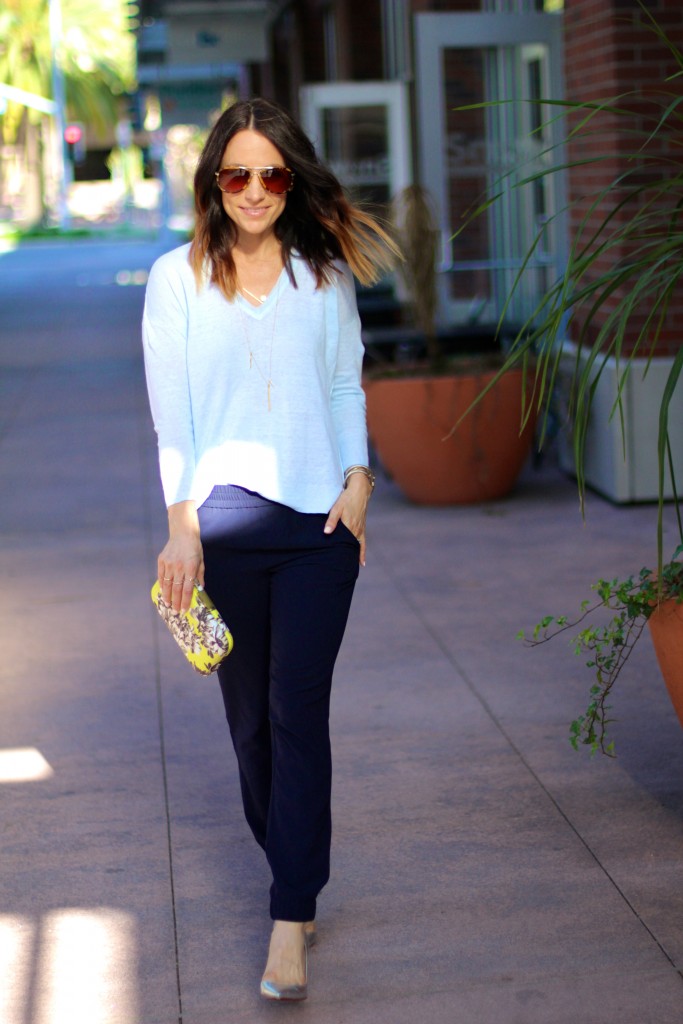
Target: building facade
{"points": [[445, 93]]}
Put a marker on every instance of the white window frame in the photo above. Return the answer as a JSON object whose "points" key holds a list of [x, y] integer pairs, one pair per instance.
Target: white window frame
{"points": [[315, 99], [436, 32]]}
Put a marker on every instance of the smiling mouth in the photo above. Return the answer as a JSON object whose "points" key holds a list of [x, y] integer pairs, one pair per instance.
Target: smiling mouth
{"points": [[253, 211]]}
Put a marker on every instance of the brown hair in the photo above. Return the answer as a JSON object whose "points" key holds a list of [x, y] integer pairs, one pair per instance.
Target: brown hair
{"points": [[318, 222]]}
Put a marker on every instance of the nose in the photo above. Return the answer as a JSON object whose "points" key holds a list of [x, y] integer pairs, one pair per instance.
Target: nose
{"points": [[254, 190]]}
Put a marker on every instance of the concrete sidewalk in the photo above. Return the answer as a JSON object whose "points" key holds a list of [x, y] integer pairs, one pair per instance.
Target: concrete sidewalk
{"points": [[483, 872]]}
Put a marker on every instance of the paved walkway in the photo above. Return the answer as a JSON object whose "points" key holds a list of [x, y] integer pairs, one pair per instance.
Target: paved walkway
{"points": [[483, 872]]}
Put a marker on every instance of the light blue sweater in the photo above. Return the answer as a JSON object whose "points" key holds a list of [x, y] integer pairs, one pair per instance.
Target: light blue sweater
{"points": [[207, 363]]}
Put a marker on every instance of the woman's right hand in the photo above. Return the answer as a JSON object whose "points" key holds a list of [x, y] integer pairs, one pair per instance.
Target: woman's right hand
{"points": [[181, 563]]}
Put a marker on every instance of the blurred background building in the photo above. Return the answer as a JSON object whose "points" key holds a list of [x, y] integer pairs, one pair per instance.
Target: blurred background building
{"points": [[381, 86], [377, 84]]}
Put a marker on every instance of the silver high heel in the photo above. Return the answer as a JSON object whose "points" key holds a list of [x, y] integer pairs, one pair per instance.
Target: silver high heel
{"points": [[271, 989]]}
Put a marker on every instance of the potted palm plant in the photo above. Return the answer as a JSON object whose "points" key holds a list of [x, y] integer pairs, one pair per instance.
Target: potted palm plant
{"points": [[616, 299], [414, 405]]}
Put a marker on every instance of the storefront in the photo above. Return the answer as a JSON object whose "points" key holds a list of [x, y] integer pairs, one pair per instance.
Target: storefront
{"points": [[457, 126]]}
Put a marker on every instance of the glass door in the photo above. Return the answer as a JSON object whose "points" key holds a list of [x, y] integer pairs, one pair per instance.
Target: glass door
{"points": [[361, 129], [506, 62]]}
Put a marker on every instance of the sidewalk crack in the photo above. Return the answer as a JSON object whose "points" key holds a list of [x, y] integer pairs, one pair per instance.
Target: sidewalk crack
{"points": [[147, 518]]}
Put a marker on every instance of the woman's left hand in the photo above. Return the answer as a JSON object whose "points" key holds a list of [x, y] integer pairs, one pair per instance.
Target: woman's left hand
{"points": [[351, 507]]}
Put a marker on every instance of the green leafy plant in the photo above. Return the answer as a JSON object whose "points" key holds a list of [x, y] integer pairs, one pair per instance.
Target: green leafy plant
{"points": [[625, 262], [614, 298], [609, 644]]}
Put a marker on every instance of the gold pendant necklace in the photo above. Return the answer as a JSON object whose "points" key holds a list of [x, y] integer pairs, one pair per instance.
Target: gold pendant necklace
{"points": [[253, 361]]}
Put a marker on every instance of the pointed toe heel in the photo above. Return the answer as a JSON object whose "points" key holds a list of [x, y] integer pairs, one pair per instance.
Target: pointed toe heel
{"points": [[290, 993]]}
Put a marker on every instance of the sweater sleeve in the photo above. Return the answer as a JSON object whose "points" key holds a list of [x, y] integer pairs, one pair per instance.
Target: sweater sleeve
{"points": [[164, 337], [347, 395]]}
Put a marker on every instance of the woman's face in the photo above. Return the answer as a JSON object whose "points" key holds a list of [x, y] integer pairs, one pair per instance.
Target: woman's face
{"points": [[253, 211]]}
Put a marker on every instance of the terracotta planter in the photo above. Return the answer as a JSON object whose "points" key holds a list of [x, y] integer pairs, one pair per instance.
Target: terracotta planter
{"points": [[408, 419], [666, 629]]}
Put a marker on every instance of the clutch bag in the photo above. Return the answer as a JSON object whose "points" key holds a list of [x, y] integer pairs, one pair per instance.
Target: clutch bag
{"points": [[200, 632]]}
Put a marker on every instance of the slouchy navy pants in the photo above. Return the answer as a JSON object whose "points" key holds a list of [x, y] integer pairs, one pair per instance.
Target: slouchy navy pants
{"points": [[284, 588]]}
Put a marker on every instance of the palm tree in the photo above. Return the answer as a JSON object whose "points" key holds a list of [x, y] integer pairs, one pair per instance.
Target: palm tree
{"points": [[96, 56]]}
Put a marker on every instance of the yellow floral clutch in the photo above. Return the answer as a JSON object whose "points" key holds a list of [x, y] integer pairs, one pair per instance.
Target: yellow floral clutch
{"points": [[200, 632]]}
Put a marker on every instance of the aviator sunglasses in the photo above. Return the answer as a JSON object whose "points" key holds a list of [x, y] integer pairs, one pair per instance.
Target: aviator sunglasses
{"points": [[276, 180]]}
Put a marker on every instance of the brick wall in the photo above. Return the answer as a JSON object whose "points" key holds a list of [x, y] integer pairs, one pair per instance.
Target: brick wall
{"points": [[609, 51]]}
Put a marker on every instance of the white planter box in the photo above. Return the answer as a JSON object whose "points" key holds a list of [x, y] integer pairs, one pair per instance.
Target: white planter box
{"points": [[624, 469]]}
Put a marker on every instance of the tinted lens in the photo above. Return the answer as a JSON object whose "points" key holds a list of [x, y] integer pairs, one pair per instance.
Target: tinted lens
{"points": [[276, 179], [233, 179]]}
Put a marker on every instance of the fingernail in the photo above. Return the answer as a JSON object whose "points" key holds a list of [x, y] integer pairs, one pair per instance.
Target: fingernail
{"points": [[328, 529]]}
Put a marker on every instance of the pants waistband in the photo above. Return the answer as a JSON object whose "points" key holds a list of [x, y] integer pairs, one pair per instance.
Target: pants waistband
{"points": [[232, 496]]}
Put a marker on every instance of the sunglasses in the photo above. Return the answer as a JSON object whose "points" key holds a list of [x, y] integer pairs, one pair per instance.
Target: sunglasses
{"points": [[276, 180]]}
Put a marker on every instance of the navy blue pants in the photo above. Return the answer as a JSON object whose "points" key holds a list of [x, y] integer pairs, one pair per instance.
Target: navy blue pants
{"points": [[284, 587]]}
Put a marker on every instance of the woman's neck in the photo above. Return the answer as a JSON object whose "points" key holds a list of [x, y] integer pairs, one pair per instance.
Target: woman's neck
{"points": [[258, 268], [257, 250]]}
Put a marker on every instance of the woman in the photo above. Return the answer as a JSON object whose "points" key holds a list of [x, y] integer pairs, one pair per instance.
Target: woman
{"points": [[253, 359]]}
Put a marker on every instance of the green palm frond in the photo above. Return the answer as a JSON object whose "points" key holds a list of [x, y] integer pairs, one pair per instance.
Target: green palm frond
{"points": [[96, 56]]}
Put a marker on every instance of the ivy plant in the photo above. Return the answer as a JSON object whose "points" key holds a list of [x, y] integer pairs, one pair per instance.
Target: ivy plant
{"points": [[609, 645]]}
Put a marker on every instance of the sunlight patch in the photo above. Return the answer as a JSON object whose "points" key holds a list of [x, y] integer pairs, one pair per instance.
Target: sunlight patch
{"points": [[16, 943], [87, 968], [23, 764]]}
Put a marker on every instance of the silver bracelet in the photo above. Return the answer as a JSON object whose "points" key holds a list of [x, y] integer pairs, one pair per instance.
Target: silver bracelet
{"points": [[365, 470]]}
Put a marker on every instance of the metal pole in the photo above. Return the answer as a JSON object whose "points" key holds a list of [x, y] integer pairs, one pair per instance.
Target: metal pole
{"points": [[63, 164]]}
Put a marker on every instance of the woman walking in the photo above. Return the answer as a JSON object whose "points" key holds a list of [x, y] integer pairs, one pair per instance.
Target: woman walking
{"points": [[253, 361]]}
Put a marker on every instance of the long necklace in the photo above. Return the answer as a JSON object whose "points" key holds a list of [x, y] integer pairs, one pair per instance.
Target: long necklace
{"points": [[257, 298], [253, 361]]}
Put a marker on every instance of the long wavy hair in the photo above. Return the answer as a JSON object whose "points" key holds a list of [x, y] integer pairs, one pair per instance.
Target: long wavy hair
{"points": [[318, 221]]}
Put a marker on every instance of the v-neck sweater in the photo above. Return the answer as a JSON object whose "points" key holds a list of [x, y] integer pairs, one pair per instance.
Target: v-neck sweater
{"points": [[208, 361]]}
